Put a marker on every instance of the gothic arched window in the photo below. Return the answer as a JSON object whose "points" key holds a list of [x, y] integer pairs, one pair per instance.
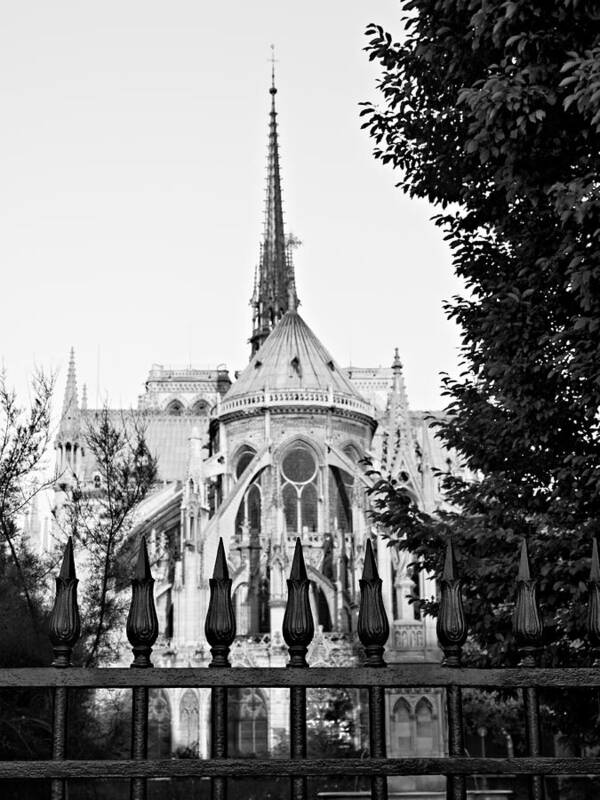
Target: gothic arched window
{"points": [[340, 494], [249, 512], [248, 517], [241, 606], [243, 459], [401, 729], [299, 492], [175, 408], [159, 725], [323, 613], [248, 721], [189, 712], [200, 408], [424, 726]]}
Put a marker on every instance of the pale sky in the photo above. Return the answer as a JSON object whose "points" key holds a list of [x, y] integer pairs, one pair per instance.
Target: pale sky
{"points": [[132, 166]]}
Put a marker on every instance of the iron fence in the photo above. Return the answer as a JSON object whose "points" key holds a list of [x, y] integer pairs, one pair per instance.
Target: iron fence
{"points": [[298, 630]]}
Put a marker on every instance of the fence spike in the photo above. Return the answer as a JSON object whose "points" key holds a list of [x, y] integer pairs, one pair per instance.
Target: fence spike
{"points": [[593, 611], [451, 626], [373, 626], [65, 624], [219, 627], [524, 573], [527, 622], [142, 622], [298, 625]]}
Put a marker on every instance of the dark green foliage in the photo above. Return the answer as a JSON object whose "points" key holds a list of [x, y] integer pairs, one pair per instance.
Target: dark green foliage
{"points": [[491, 111]]}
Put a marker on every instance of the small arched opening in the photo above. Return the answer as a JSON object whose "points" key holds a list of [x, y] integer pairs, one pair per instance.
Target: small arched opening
{"points": [[248, 723], [401, 733], [424, 727], [175, 408], [159, 724], [189, 714]]}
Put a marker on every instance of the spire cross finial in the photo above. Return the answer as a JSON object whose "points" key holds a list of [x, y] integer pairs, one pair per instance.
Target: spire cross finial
{"points": [[273, 61]]}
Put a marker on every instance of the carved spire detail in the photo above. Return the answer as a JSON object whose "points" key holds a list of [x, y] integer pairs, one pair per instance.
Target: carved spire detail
{"points": [[69, 421]]}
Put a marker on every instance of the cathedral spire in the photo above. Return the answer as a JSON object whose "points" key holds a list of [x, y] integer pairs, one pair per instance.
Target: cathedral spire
{"points": [[274, 287], [71, 402]]}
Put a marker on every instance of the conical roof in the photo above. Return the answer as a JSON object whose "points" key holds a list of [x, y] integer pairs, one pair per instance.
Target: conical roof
{"points": [[292, 358]]}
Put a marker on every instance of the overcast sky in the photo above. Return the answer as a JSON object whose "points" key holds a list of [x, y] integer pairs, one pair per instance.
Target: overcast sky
{"points": [[132, 167]]}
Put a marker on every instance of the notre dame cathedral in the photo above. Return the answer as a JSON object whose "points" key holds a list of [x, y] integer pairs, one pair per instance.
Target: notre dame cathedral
{"points": [[274, 453]]}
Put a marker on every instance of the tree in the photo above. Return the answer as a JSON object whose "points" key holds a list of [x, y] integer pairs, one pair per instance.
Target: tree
{"points": [[24, 438], [25, 714], [491, 111], [101, 517]]}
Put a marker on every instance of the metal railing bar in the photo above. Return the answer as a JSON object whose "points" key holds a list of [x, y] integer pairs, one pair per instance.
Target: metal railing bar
{"points": [[298, 630], [451, 630], [142, 632], [532, 729], [64, 630], [373, 631], [393, 676], [456, 788], [255, 767], [219, 629], [59, 737], [528, 631]]}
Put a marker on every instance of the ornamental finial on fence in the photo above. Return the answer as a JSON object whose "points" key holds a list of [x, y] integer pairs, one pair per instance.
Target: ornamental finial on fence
{"points": [[219, 627], [527, 622], [451, 625], [298, 625], [65, 625], [142, 622], [593, 612], [373, 626]]}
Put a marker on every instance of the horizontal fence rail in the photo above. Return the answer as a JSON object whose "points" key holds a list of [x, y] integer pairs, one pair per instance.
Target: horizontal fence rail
{"points": [[297, 677], [394, 676], [257, 768]]}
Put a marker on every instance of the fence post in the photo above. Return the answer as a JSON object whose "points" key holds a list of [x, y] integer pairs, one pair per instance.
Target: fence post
{"points": [[298, 630], [452, 633], [220, 633], [142, 631], [527, 628], [64, 630], [593, 610], [373, 631]]}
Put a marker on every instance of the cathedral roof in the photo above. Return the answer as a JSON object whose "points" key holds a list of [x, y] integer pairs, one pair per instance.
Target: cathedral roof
{"points": [[292, 358]]}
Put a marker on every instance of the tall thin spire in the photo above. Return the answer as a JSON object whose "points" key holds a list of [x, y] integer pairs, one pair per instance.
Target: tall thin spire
{"points": [[69, 429], [275, 287], [71, 402]]}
